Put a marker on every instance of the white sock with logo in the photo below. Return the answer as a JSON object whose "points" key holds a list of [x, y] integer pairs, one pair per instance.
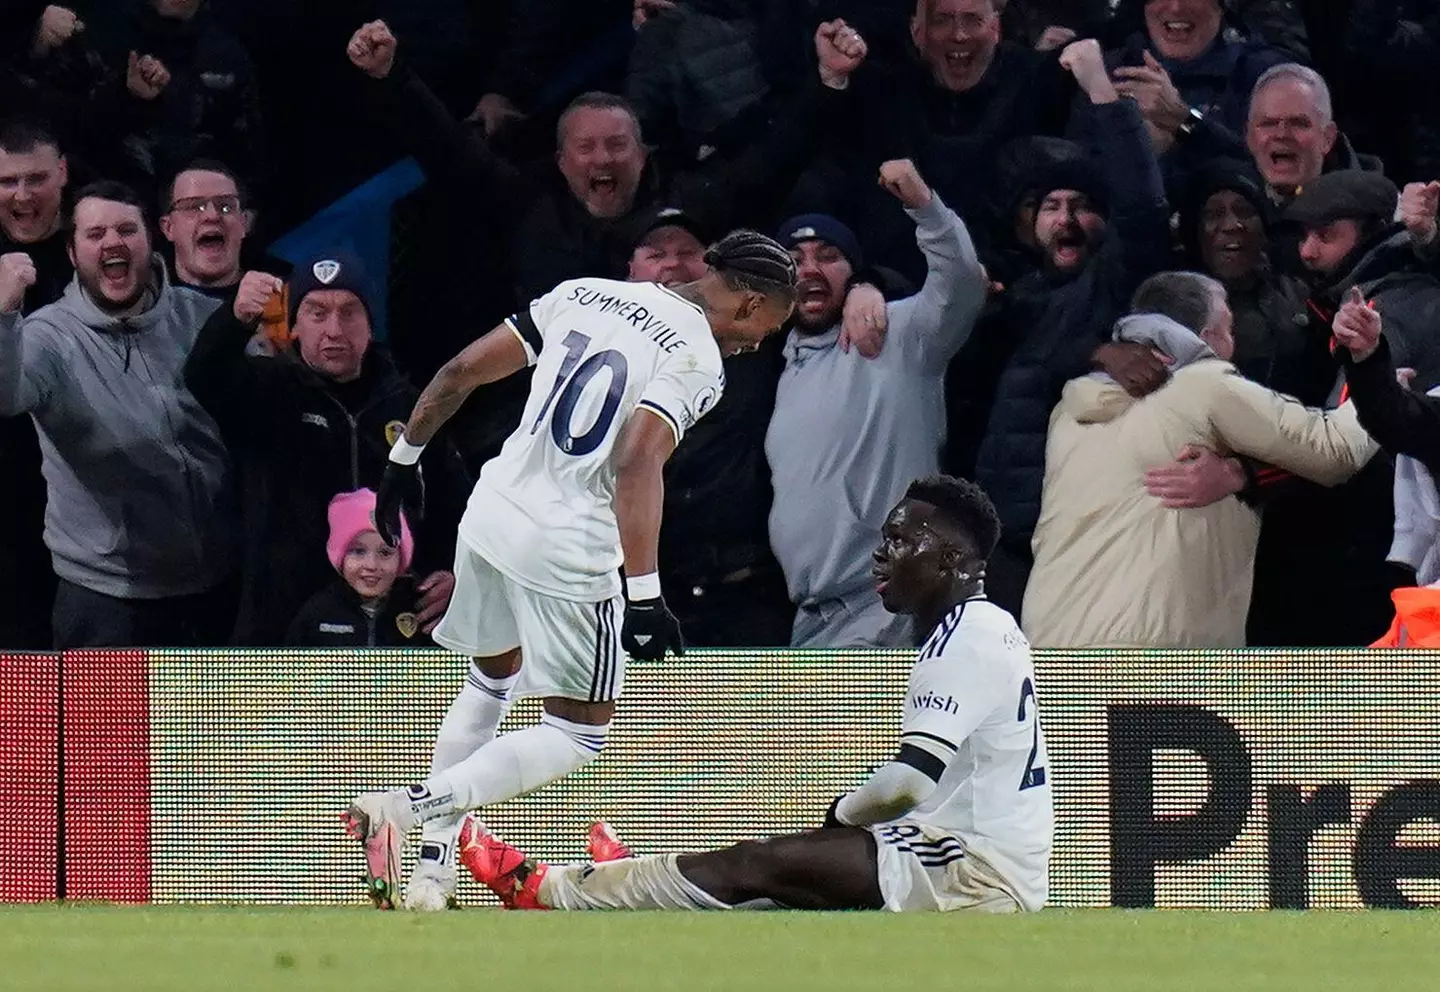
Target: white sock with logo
{"points": [[470, 724], [651, 882], [509, 766]]}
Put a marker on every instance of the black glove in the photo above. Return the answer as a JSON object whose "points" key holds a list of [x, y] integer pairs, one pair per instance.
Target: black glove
{"points": [[650, 629], [832, 818], [397, 483]]}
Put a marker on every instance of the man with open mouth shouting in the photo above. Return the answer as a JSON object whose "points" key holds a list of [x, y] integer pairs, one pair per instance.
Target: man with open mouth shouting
{"points": [[849, 433], [1100, 231], [139, 512], [206, 219]]}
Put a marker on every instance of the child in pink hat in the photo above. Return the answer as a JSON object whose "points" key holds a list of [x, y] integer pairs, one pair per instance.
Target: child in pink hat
{"points": [[372, 603]]}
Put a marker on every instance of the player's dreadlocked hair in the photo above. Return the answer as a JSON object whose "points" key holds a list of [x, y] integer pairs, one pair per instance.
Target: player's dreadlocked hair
{"points": [[748, 260], [965, 503]]}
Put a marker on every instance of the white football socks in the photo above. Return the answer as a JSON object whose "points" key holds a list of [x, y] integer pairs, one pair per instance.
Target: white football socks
{"points": [[651, 882], [469, 724], [509, 766]]}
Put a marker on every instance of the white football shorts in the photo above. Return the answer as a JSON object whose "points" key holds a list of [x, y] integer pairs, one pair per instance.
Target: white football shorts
{"points": [[924, 869], [568, 649]]}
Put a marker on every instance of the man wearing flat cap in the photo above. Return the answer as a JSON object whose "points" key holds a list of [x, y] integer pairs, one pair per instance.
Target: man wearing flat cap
{"points": [[849, 434], [1321, 576], [1351, 239], [311, 422]]}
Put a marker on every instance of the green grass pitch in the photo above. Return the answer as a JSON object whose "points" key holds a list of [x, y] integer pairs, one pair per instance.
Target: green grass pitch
{"points": [[96, 948]]}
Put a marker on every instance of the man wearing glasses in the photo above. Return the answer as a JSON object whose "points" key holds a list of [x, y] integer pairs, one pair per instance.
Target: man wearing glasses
{"points": [[204, 217]]}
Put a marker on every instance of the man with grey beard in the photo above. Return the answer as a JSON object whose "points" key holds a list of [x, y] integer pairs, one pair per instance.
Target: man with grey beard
{"points": [[140, 521]]}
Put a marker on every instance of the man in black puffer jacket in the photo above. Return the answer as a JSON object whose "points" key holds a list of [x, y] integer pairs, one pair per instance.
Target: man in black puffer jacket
{"points": [[313, 422], [1102, 231]]}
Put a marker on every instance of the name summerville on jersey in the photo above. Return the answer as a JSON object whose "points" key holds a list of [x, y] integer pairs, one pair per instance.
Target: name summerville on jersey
{"points": [[665, 336]]}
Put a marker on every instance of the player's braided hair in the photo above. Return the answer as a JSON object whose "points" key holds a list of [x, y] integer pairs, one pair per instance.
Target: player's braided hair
{"points": [[748, 260], [963, 502]]}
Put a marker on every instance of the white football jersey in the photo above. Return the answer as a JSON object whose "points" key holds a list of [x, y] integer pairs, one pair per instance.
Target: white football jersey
{"points": [[972, 698], [542, 510]]}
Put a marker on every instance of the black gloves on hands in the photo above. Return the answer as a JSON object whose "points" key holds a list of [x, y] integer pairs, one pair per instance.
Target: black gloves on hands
{"points": [[832, 818], [396, 486], [650, 630]]}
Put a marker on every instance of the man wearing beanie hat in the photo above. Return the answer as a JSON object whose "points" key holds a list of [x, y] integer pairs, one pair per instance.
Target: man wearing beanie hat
{"points": [[313, 421], [1224, 234], [1100, 229], [849, 434]]}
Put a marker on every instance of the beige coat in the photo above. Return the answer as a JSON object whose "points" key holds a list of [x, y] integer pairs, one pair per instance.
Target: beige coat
{"points": [[1115, 568]]}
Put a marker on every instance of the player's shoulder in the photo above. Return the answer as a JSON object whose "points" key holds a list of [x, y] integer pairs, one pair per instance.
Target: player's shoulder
{"points": [[976, 627], [700, 351]]}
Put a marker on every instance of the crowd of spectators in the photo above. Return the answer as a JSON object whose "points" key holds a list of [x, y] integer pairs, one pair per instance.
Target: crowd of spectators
{"points": [[1120, 262]]}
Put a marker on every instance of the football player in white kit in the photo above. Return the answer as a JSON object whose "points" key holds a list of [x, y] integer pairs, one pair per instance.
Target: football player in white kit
{"points": [[622, 370], [961, 818]]}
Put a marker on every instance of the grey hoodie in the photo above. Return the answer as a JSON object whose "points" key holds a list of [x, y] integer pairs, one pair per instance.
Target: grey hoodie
{"points": [[848, 435], [139, 482], [1164, 335]]}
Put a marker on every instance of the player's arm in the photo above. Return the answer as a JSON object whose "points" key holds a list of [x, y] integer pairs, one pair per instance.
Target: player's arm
{"points": [[644, 446], [503, 351], [946, 702], [893, 790], [500, 353]]}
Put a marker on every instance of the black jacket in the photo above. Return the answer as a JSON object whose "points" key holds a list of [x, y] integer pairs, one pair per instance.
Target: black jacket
{"points": [[335, 618], [954, 139], [1053, 327], [1321, 578], [1286, 234], [211, 106], [717, 482], [27, 577], [1218, 83], [300, 439], [1402, 421]]}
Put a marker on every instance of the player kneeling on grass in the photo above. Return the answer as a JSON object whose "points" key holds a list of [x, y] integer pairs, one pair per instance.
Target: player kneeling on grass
{"points": [[960, 819], [622, 370]]}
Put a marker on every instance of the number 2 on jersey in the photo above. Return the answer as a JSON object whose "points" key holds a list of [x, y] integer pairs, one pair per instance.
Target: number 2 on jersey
{"points": [[1033, 776], [568, 393]]}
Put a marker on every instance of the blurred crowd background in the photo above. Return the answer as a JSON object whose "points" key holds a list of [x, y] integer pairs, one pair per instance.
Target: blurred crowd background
{"points": [[1145, 270]]}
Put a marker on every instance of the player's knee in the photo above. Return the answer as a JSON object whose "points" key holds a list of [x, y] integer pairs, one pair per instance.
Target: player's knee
{"points": [[586, 738]]}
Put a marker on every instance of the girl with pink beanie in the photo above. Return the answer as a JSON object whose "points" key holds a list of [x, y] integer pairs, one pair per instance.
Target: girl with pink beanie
{"points": [[372, 602]]}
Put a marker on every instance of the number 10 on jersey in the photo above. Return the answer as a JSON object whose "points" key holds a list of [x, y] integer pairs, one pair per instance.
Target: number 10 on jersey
{"points": [[566, 391]]}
